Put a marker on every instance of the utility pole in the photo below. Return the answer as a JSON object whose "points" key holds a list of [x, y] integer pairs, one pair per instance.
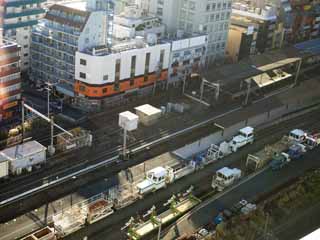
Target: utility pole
{"points": [[48, 100], [248, 91], [297, 72], [124, 142], [22, 118], [51, 148]]}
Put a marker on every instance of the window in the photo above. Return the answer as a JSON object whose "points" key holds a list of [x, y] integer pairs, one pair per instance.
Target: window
{"points": [[146, 69], [104, 90], [83, 62], [133, 70], [82, 75], [162, 57], [26, 54], [117, 75], [82, 88], [25, 46], [208, 7], [105, 78], [25, 37]]}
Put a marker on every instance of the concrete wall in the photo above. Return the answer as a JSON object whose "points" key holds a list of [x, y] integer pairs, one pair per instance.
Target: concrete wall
{"points": [[259, 121]]}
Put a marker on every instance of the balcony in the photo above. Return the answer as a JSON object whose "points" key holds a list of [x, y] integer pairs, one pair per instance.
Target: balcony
{"points": [[24, 13], [20, 24], [9, 60], [23, 2], [9, 72], [11, 82]]}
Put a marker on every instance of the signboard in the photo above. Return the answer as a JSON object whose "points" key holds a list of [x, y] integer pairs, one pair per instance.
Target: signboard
{"points": [[10, 105]]}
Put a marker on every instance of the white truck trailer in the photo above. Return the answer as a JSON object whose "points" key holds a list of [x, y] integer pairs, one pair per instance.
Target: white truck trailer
{"points": [[24, 156], [244, 137], [225, 177], [4, 167]]}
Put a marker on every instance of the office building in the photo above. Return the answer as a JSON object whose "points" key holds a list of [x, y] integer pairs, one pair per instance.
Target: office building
{"points": [[209, 17]]}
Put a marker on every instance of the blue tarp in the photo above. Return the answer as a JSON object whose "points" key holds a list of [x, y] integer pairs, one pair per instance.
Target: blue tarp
{"points": [[311, 46]]}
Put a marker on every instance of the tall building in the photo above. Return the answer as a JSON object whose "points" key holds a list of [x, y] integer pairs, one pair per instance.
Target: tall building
{"points": [[270, 31], [67, 28], [209, 17], [18, 17], [10, 82], [241, 41]]}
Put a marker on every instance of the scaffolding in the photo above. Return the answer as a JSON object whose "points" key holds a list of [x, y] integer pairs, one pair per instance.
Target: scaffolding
{"points": [[80, 138], [89, 211]]}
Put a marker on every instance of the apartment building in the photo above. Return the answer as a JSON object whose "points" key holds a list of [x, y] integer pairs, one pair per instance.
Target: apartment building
{"points": [[18, 17], [209, 17], [67, 28], [10, 82]]}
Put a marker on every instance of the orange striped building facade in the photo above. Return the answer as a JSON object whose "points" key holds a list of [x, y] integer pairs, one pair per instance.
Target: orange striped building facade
{"points": [[106, 75]]}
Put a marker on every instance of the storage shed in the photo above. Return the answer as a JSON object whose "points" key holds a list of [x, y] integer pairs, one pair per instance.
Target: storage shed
{"points": [[148, 114], [24, 156]]}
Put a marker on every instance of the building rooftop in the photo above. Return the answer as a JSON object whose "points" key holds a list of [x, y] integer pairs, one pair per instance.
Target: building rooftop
{"points": [[79, 5], [148, 110], [22, 150]]}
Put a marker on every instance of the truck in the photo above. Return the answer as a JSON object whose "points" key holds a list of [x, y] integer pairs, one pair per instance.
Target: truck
{"points": [[264, 156], [244, 137], [296, 151], [298, 135], [159, 177], [312, 141], [225, 177], [155, 179], [279, 161]]}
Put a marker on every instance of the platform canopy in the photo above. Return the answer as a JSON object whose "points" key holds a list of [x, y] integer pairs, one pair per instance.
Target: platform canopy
{"points": [[271, 73]]}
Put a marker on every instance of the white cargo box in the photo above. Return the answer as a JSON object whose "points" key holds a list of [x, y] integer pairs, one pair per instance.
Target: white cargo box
{"points": [[4, 167], [128, 120], [148, 114], [24, 156]]}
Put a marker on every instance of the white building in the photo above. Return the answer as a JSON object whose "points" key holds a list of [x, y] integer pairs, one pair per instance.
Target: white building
{"points": [[125, 68], [135, 67], [197, 16], [187, 57], [132, 22], [18, 17]]}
